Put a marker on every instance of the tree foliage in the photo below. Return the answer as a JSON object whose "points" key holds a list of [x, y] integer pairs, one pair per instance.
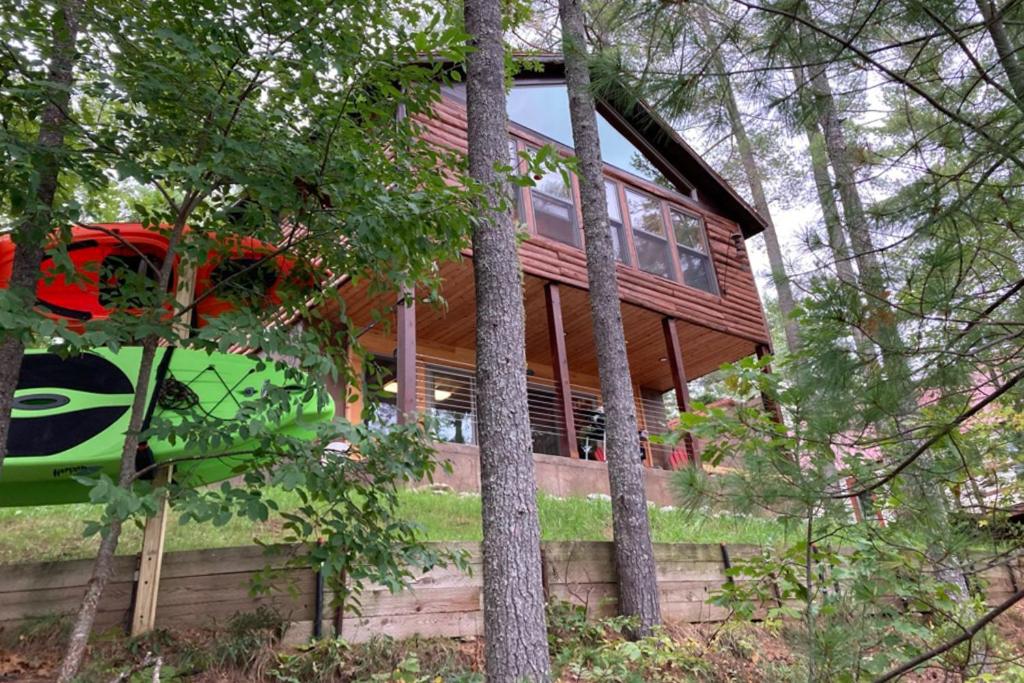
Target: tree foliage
{"points": [[293, 123]]}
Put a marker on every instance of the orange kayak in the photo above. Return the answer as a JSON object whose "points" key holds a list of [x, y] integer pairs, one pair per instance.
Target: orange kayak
{"points": [[242, 268]]}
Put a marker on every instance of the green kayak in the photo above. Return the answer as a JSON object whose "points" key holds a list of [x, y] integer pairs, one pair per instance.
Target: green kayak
{"points": [[70, 416]]}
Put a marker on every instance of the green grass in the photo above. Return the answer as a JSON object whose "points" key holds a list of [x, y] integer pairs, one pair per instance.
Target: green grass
{"points": [[55, 532]]}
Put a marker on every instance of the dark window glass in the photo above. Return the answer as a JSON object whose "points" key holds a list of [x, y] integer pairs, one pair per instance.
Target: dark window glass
{"points": [[588, 416], [553, 210], [615, 220], [867, 506], [649, 237], [693, 251], [656, 424], [451, 402]]}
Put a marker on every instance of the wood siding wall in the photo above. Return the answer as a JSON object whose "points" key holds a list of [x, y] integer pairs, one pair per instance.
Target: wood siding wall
{"points": [[206, 587], [737, 311]]}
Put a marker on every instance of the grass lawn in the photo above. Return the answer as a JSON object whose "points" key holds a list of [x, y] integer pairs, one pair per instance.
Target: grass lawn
{"points": [[55, 532]]}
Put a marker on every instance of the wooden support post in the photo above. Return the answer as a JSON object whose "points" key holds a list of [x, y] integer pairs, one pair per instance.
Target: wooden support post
{"points": [[675, 362], [151, 561], [184, 296], [563, 389], [338, 389], [406, 360], [354, 409], [770, 406]]}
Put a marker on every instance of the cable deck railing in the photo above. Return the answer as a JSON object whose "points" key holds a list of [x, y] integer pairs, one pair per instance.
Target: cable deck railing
{"points": [[447, 395]]}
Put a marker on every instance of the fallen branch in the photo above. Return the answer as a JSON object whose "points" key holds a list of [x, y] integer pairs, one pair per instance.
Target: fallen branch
{"points": [[920, 450], [148, 661], [967, 635]]}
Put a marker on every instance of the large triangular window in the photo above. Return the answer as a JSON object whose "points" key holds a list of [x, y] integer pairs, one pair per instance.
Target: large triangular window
{"points": [[544, 109]]}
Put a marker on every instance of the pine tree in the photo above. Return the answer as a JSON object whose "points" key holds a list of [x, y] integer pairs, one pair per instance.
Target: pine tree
{"points": [[634, 554], [753, 175], [516, 647]]}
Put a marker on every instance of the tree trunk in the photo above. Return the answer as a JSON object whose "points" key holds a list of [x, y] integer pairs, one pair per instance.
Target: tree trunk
{"points": [[880, 325], [103, 565], [823, 185], [31, 231], [838, 152], [634, 554], [836, 237], [787, 302], [516, 647], [1008, 57]]}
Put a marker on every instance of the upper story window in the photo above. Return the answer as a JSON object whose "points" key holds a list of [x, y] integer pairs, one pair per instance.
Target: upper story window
{"points": [[553, 211], [545, 109], [653, 250], [650, 230], [619, 242], [694, 256]]}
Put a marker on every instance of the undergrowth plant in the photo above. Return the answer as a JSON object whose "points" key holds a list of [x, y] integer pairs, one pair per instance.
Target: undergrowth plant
{"points": [[600, 651], [865, 594]]}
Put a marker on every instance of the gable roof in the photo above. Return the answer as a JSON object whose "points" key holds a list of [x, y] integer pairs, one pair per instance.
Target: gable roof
{"points": [[665, 148]]}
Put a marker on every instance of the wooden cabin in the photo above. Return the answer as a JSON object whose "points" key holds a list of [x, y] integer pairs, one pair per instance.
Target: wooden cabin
{"points": [[689, 302]]}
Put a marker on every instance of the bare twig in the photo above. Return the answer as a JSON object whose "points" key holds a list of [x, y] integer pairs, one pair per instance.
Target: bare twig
{"points": [[967, 635]]}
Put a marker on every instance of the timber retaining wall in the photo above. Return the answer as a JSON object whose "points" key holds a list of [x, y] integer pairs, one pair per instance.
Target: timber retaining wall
{"points": [[206, 587]]}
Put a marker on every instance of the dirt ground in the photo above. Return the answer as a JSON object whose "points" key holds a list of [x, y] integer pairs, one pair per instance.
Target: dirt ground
{"points": [[756, 655]]}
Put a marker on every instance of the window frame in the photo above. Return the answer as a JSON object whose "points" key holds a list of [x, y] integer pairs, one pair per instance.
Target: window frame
{"points": [[574, 204], [668, 237], [623, 181], [703, 234], [627, 239]]}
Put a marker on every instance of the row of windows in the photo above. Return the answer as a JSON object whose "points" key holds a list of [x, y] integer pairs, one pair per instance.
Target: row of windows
{"points": [[666, 240]]}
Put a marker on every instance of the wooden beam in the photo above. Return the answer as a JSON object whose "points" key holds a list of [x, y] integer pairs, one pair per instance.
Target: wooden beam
{"points": [[406, 361], [354, 408], [338, 389], [151, 558], [147, 585], [184, 296], [770, 406], [678, 370], [563, 389]]}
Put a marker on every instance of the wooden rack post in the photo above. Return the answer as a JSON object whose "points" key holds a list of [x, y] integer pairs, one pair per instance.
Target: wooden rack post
{"points": [[147, 584]]}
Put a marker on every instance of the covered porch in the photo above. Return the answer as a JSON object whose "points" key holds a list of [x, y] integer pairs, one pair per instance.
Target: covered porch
{"points": [[425, 359]]}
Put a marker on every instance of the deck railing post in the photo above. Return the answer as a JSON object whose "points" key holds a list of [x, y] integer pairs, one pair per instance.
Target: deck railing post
{"points": [[560, 364], [675, 362], [406, 361]]}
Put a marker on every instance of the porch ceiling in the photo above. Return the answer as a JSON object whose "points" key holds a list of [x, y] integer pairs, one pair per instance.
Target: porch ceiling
{"points": [[453, 327]]}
